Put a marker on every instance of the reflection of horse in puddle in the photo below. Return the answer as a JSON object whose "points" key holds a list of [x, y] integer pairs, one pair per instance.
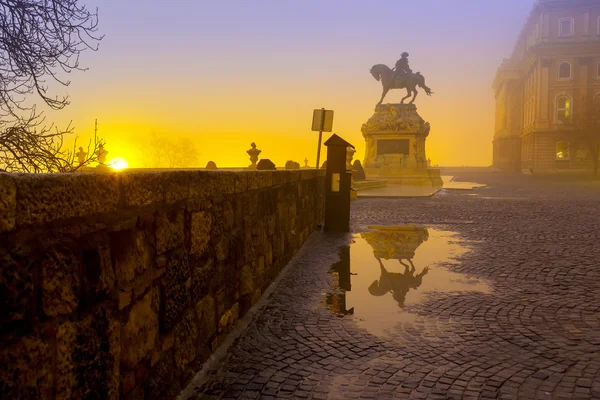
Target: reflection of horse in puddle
{"points": [[397, 283], [396, 243]]}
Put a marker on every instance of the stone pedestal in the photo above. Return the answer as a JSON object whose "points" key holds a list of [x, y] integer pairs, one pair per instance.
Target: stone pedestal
{"points": [[395, 148]]}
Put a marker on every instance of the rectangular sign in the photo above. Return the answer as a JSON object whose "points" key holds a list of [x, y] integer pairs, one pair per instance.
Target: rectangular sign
{"points": [[393, 146], [322, 120]]}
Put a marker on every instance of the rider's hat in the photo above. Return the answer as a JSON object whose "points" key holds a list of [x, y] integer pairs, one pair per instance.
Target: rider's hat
{"points": [[405, 54]]}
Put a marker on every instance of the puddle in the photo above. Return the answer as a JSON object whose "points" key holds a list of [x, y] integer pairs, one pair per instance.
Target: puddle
{"points": [[390, 268]]}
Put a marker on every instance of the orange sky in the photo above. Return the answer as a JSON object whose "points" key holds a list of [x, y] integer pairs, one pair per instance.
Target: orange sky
{"points": [[228, 73]]}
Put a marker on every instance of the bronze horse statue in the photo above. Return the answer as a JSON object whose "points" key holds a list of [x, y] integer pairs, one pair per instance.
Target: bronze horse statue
{"points": [[409, 82]]}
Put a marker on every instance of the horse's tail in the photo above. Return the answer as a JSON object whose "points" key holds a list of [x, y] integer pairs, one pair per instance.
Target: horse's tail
{"points": [[423, 85]]}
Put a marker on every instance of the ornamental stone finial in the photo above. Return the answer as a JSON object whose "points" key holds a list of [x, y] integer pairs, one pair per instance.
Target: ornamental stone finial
{"points": [[253, 153]]}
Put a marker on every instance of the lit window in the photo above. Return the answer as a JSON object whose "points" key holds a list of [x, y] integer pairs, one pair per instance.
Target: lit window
{"points": [[563, 109], [566, 27], [562, 151], [564, 70]]}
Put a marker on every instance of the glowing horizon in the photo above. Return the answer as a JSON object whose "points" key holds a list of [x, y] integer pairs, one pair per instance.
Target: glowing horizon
{"points": [[231, 73]]}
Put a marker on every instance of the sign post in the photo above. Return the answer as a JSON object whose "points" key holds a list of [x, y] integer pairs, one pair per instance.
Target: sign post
{"points": [[322, 122]]}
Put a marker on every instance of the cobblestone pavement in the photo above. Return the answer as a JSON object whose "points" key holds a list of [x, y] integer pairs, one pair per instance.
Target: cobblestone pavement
{"points": [[535, 336]]}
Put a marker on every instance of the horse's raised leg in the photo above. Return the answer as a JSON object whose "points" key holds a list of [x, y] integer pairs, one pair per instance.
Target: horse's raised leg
{"points": [[408, 94], [383, 95], [415, 96]]}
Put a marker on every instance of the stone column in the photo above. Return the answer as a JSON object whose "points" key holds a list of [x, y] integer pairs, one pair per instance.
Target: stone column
{"points": [[546, 27], [584, 64], [544, 92]]}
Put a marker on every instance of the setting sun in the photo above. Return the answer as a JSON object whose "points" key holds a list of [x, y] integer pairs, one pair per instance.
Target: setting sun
{"points": [[118, 164]]}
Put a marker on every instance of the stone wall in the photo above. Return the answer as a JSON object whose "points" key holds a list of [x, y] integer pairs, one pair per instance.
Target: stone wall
{"points": [[121, 285]]}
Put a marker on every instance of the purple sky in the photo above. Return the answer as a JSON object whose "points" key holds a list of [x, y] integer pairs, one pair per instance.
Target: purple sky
{"points": [[226, 71]]}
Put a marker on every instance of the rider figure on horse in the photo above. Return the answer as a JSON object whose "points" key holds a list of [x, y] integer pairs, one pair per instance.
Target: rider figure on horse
{"points": [[402, 68]]}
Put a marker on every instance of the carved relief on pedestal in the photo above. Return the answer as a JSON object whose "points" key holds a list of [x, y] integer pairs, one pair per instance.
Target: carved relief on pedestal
{"points": [[395, 138]]}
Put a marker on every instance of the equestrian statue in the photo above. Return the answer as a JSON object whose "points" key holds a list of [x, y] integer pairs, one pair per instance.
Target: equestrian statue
{"points": [[400, 77]]}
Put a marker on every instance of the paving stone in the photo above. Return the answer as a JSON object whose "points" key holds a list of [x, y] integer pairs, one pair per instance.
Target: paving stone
{"points": [[535, 335]]}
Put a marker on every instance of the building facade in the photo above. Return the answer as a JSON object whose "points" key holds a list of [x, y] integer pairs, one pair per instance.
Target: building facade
{"points": [[554, 68]]}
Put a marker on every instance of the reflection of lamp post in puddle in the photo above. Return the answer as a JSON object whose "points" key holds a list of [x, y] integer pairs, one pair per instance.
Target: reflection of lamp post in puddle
{"points": [[337, 301]]}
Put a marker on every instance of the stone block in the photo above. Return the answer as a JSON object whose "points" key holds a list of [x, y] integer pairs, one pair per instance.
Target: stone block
{"points": [[26, 370], [241, 182], [228, 216], [222, 248], [177, 185], [8, 202], [268, 254], [265, 179], [229, 319], [260, 268], [236, 250], [127, 382], [124, 299], [142, 188], [293, 176], [133, 255], [186, 335], [209, 183], [161, 378], [253, 179], [140, 332], [308, 174], [256, 296], [45, 198], [224, 181], [170, 232], [175, 296], [201, 224], [156, 355], [95, 356], [202, 276], [60, 280], [65, 368], [99, 275], [207, 320], [279, 177], [17, 288], [246, 280]]}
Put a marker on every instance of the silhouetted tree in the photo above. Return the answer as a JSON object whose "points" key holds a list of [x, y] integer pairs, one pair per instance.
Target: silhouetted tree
{"points": [[39, 40], [171, 153]]}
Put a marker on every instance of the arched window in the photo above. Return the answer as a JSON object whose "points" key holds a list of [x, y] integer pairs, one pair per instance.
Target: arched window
{"points": [[563, 109], [564, 70], [562, 151]]}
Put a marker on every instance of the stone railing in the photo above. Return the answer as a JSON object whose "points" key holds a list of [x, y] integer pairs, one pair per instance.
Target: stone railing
{"points": [[121, 285]]}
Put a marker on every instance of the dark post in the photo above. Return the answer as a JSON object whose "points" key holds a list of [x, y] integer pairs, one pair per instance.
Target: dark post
{"points": [[338, 186]]}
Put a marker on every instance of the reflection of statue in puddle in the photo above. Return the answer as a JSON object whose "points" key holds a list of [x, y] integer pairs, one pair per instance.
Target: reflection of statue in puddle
{"points": [[396, 283], [337, 301], [396, 243]]}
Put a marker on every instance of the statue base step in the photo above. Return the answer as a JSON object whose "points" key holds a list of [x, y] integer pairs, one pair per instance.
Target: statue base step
{"points": [[421, 176]]}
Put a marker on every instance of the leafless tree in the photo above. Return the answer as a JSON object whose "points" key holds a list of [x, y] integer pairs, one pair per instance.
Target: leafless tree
{"points": [[40, 40], [166, 152]]}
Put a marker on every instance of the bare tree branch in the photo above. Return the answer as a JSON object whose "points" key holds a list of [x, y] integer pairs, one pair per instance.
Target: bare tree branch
{"points": [[39, 39]]}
